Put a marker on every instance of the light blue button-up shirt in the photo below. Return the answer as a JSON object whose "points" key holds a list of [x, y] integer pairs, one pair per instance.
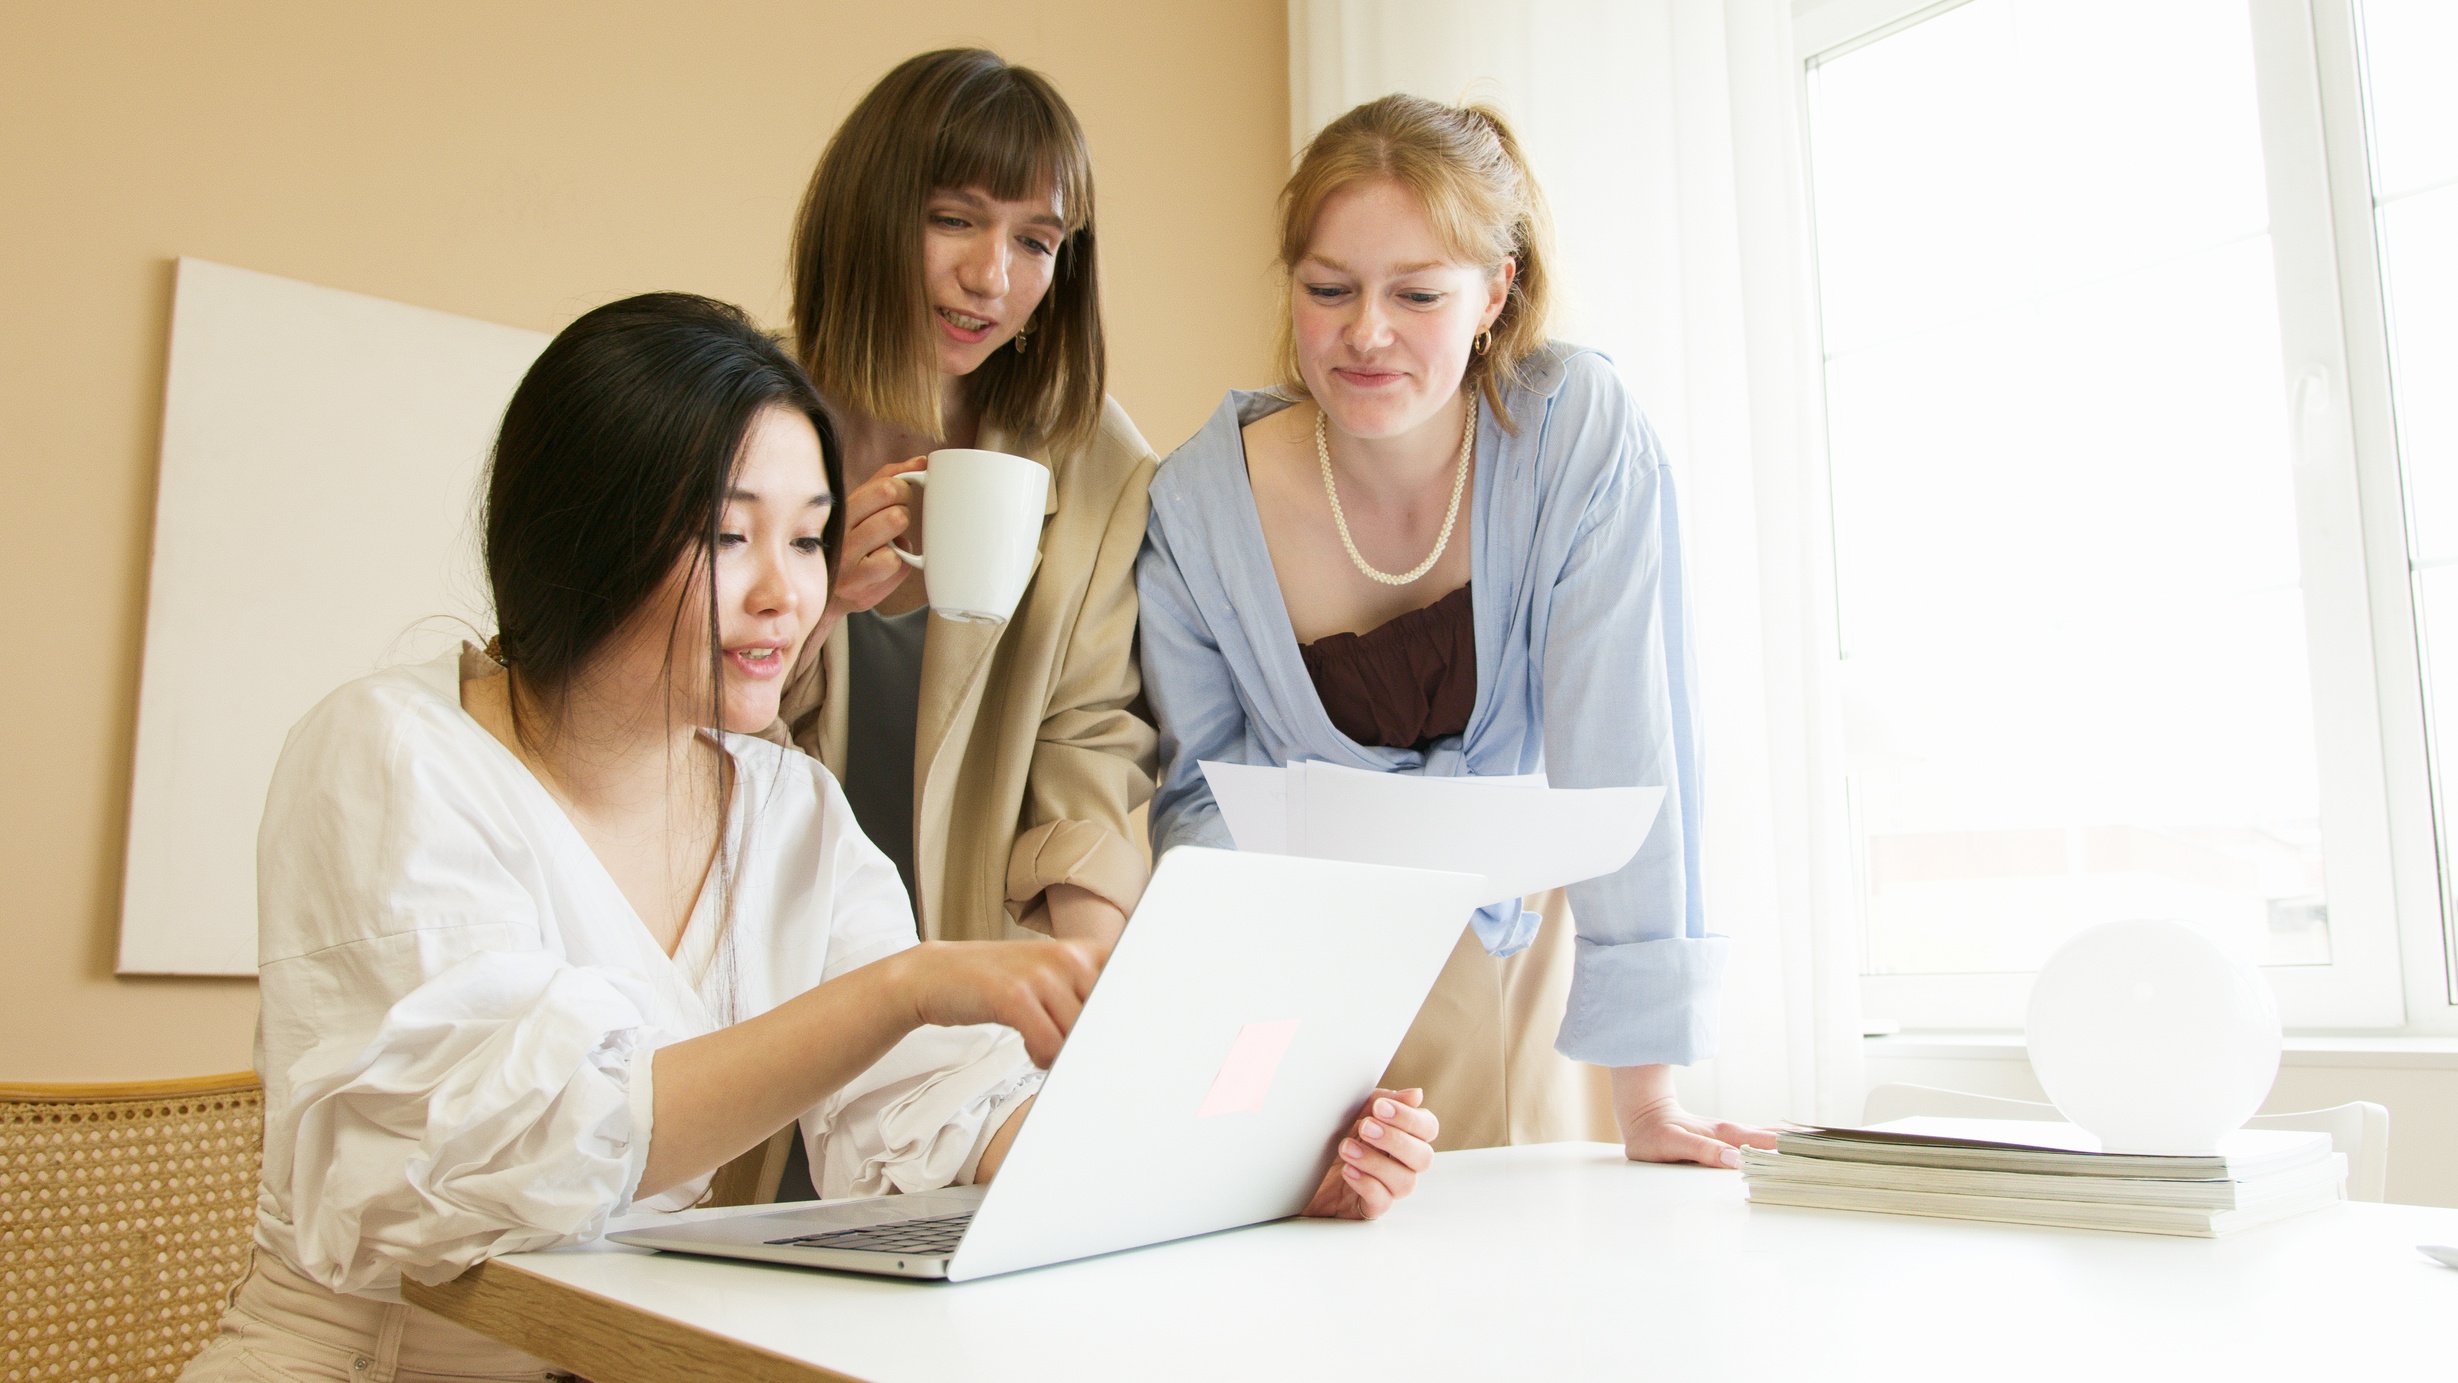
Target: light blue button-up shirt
{"points": [[1583, 672]]}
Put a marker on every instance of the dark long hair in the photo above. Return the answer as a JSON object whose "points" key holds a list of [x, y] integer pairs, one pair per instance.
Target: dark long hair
{"points": [[612, 469], [955, 118]]}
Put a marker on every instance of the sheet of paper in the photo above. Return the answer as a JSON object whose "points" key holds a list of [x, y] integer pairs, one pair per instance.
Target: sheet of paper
{"points": [[1254, 804], [1520, 834], [1521, 839]]}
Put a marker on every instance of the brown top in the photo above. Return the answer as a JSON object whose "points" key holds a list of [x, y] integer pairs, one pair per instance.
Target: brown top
{"points": [[1404, 683]]}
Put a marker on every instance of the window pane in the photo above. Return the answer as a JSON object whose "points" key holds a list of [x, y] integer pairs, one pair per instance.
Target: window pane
{"points": [[2408, 45], [2067, 559], [2419, 262], [2003, 149], [2436, 598], [2411, 122]]}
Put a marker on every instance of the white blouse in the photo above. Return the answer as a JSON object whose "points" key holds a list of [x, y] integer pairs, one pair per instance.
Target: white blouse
{"points": [[460, 1006]]}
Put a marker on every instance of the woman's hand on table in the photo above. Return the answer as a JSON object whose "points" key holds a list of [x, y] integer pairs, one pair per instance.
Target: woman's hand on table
{"points": [[1655, 1128], [1379, 1158], [876, 513]]}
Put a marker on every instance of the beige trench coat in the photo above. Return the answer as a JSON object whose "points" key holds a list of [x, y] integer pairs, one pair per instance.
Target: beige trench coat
{"points": [[1032, 752]]}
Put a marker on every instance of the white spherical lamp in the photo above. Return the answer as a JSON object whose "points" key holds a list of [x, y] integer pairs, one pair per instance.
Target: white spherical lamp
{"points": [[2151, 1037]]}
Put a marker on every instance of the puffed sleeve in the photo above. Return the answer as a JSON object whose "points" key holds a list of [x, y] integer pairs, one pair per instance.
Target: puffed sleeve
{"points": [[1619, 708], [1092, 760], [444, 1087], [919, 1117], [1192, 692]]}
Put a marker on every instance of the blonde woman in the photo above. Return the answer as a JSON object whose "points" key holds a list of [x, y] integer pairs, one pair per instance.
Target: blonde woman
{"points": [[1448, 545]]}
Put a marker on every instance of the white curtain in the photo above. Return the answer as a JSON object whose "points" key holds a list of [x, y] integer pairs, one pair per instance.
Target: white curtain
{"points": [[1666, 135]]}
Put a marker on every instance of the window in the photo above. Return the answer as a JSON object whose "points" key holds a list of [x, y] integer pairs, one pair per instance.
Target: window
{"points": [[2411, 115], [2109, 641]]}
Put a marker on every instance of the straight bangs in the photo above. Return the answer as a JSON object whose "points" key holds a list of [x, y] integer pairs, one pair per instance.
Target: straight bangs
{"points": [[1015, 142]]}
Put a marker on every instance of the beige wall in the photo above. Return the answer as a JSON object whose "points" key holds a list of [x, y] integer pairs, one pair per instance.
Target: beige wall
{"points": [[515, 162]]}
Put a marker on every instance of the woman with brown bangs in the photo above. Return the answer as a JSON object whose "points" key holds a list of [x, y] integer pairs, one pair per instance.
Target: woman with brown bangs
{"points": [[946, 294]]}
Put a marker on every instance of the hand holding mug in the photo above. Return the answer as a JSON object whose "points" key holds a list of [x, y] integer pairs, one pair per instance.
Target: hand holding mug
{"points": [[876, 514]]}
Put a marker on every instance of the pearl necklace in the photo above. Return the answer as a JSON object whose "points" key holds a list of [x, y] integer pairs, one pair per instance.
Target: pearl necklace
{"points": [[1459, 485]]}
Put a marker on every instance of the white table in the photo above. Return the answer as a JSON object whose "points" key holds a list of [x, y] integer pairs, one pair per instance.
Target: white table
{"points": [[1556, 1262]]}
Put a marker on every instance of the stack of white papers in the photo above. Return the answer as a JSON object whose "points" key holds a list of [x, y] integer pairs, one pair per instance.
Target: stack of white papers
{"points": [[1519, 833]]}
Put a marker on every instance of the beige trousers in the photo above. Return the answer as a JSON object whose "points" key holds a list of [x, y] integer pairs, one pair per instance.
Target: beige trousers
{"points": [[281, 1327], [1482, 1047]]}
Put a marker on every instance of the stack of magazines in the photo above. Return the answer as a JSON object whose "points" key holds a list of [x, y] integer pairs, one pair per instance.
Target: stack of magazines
{"points": [[2038, 1173]]}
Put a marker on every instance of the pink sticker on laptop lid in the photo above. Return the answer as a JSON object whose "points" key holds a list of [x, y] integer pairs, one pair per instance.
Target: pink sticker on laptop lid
{"points": [[1246, 1077]]}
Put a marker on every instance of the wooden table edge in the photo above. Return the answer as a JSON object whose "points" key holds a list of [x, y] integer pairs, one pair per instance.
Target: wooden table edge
{"points": [[602, 1339]]}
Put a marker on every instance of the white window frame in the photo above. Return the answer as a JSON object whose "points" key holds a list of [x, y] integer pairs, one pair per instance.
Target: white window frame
{"points": [[2426, 900], [2393, 965]]}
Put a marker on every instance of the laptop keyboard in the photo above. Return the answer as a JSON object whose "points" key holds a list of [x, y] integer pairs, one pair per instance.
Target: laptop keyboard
{"points": [[935, 1235]]}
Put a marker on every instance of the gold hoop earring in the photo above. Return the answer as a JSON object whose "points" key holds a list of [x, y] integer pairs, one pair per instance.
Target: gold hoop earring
{"points": [[1021, 338], [1485, 340]]}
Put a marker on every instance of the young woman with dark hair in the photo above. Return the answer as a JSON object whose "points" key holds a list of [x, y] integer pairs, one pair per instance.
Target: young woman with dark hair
{"points": [[546, 937]]}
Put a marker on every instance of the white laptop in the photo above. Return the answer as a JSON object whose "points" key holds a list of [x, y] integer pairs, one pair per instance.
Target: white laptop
{"points": [[1226, 1049]]}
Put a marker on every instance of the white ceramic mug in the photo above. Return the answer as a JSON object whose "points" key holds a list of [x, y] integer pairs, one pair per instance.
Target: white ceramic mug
{"points": [[984, 531]]}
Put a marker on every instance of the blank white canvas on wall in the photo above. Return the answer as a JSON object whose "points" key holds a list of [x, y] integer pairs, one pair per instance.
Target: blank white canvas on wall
{"points": [[315, 520]]}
